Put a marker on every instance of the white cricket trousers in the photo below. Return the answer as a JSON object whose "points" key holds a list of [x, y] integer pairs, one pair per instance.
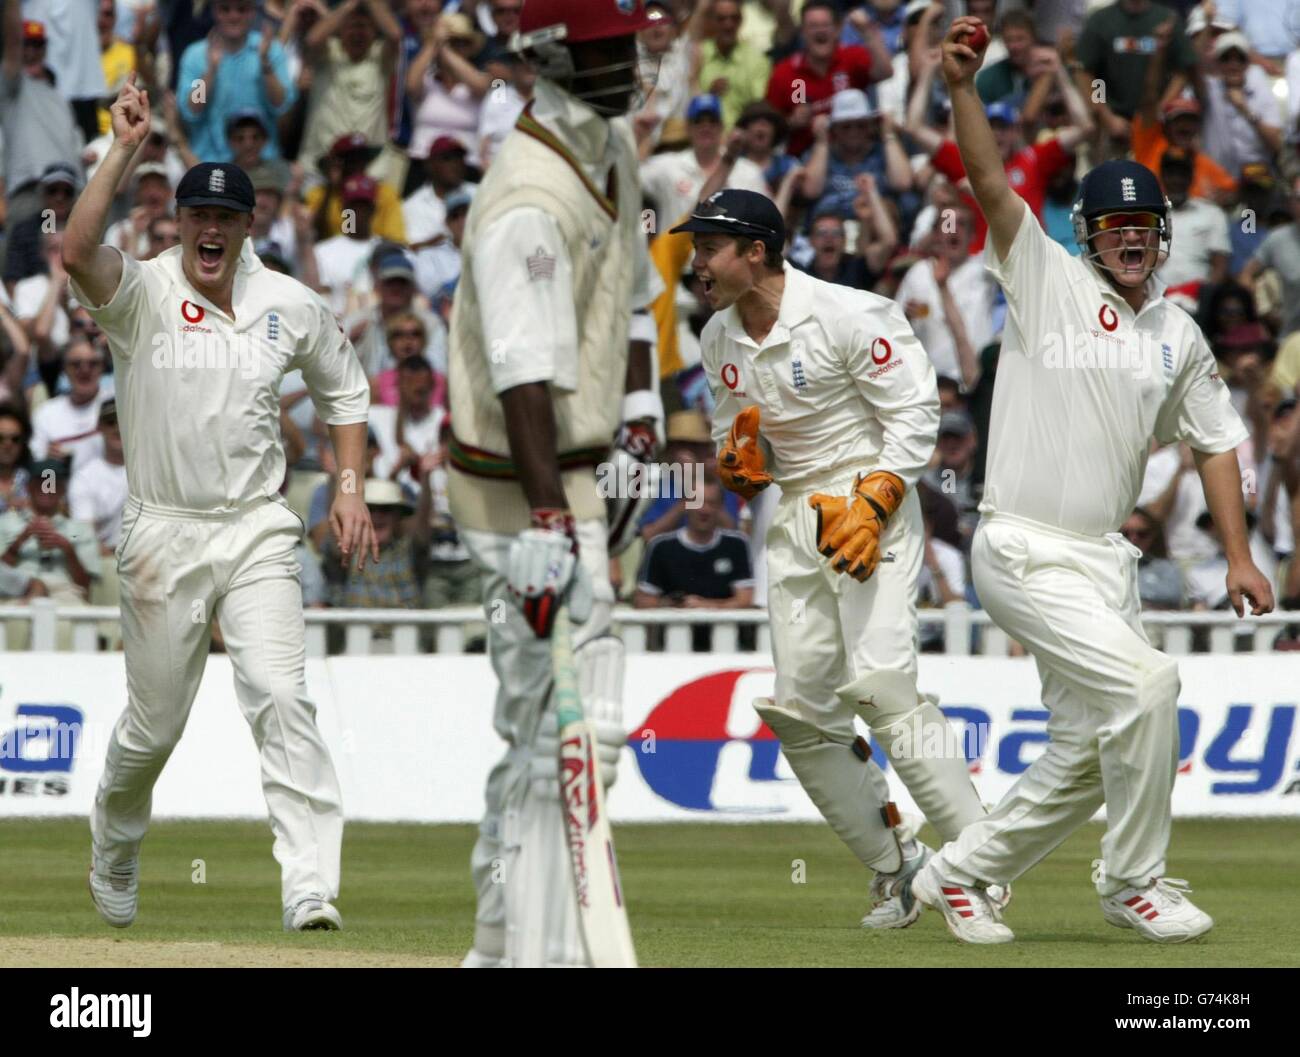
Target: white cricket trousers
{"points": [[843, 649], [827, 628], [1072, 601], [178, 569], [522, 663]]}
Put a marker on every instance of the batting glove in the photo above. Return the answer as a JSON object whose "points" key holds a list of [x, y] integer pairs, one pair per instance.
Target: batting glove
{"points": [[543, 571]]}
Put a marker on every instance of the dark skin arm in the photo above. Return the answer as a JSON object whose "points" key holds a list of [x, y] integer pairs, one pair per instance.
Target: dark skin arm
{"points": [[530, 429], [638, 367]]}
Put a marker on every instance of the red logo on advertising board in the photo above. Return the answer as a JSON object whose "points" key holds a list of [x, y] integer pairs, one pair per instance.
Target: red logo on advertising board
{"points": [[191, 312], [730, 375], [881, 350], [1108, 318]]}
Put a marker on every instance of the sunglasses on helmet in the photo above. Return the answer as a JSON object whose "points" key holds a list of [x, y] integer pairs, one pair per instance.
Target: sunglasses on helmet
{"points": [[1115, 221]]}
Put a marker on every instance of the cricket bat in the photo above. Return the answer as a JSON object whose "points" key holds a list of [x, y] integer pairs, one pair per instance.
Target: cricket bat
{"points": [[601, 913]]}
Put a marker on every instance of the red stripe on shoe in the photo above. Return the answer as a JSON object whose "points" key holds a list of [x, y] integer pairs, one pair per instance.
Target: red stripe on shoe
{"points": [[953, 891], [1143, 907], [1130, 902], [1152, 916], [966, 913], [959, 902]]}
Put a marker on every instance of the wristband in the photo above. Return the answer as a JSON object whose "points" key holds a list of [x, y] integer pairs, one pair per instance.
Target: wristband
{"points": [[553, 519], [643, 403]]}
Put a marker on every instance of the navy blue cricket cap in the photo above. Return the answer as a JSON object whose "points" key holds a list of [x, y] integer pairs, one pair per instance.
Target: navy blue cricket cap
{"points": [[1120, 186], [746, 214], [216, 184]]}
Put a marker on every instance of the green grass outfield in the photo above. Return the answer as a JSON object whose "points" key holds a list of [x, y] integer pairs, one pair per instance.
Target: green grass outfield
{"points": [[700, 894]]}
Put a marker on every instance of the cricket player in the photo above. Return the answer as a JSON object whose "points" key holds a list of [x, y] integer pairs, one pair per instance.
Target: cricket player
{"points": [[1094, 363], [546, 366], [201, 336], [826, 391]]}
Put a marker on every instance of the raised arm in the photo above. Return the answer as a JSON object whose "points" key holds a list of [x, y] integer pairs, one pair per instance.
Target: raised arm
{"points": [[898, 169], [877, 235], [882, 62], [424, 58], [1081, 125], [96, 268], [923, 77], [12, 64], [814, 181], [1002, 207], [319, 34], [1153, 82]]}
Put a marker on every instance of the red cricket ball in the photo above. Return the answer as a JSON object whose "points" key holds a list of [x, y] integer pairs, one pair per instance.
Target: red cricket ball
{"points": [[977, 38]]}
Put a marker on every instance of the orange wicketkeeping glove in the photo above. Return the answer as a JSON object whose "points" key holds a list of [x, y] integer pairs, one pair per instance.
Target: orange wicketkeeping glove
{"points": [[740, 462], [850, 535]]}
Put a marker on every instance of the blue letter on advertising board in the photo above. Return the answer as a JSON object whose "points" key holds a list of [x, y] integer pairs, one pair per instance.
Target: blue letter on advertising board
{"points": [[1269, 767]]}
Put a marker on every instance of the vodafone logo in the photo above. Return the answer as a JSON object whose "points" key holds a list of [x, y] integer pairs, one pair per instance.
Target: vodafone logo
{"points": [[730, 376], [1108, 318], [191, 312], [881, 350]]}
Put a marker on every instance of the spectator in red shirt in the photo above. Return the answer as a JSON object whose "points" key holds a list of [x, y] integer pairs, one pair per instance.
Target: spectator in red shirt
{"points": [[1029, 169], [801, 86]]}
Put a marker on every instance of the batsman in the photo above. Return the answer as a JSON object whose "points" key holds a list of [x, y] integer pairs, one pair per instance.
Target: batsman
{"points": [[827, 392], [547, 367]]}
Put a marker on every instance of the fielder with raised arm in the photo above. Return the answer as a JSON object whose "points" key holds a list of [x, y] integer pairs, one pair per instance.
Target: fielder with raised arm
{"points": [[543, 348], [201, 337], [826, 391], [1094, 363]]}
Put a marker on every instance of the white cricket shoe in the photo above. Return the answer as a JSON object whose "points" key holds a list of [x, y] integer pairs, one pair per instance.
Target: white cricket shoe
{"points": [[967, 911], [892, 903], [312, 914], [1160, 912], [476, 960], [116, 892]]}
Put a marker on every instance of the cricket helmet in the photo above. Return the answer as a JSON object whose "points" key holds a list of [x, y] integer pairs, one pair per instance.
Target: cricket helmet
{"points": [[546, 27], [1125, 189]]}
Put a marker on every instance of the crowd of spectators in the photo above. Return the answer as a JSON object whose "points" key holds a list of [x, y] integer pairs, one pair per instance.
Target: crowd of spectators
{"points": [[365, 126]]}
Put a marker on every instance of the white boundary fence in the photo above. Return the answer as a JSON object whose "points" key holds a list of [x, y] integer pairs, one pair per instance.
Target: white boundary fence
{"points": [[966, 631]]}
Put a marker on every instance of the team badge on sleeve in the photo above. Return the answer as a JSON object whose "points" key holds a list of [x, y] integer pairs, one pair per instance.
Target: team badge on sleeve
{"points": [[541, 265]]}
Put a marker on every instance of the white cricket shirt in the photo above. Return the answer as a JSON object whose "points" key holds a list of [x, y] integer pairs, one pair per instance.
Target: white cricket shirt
{"points": [[198, 393], [841, 383], [1082, 386]]}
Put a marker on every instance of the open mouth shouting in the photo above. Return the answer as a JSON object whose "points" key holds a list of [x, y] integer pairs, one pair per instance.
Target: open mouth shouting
{"points": [[212, 252], [1132, 259]]}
